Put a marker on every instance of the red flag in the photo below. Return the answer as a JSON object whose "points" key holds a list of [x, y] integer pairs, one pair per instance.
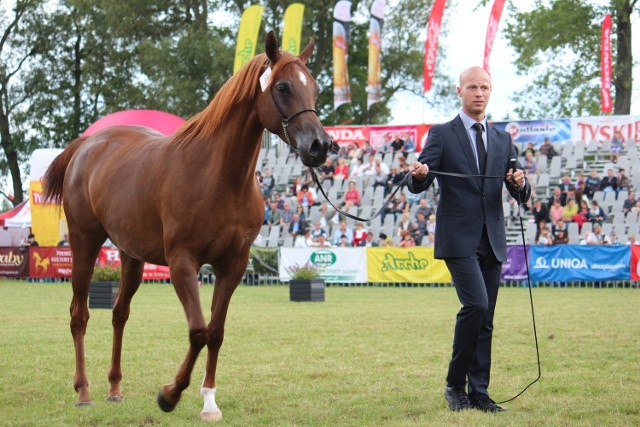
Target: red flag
{"points": [[492, 29], [431, 45], [605, 65]]}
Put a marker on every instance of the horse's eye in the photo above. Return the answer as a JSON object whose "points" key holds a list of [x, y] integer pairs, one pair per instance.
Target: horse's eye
{"points": [[282, 87]]}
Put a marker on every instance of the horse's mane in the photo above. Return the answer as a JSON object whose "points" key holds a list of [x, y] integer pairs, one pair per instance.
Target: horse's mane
{"points": [[240, 88]]}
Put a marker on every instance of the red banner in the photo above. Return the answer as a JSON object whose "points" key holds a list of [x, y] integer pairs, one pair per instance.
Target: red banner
{"points": [[151, 271], [47, 262], [635, 257], [431, 45], [605, 65], [14, 262], [379, 136], [492, 29]]}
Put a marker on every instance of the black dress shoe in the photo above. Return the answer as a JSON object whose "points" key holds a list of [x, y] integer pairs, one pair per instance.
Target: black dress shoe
{"points": [[457, 398], [484, 403]]}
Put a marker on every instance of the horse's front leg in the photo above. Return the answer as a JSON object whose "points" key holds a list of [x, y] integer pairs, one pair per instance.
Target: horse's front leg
{"points": [[185, 282], [131, 276], [227, 280]]}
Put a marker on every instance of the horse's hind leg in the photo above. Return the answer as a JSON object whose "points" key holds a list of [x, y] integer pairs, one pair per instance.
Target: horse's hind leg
{"points": [[185, 282], [129, 283], [85, 250], [227, 280]]}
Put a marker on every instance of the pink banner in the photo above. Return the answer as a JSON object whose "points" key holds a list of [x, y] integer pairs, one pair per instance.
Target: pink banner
{"points": [[431, 45], [605, 65], [379, 136], [492, 29], [151, 271]]}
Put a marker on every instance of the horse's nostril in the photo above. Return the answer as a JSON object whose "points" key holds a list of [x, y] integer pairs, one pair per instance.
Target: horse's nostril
{"points": [[315, 147]]}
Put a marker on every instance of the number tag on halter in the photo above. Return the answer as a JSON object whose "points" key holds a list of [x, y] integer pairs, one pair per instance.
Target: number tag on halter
{"points": [[264, 79]]}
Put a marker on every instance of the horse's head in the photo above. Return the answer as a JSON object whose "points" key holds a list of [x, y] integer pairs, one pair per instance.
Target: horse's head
{"points": [[287, 103]]}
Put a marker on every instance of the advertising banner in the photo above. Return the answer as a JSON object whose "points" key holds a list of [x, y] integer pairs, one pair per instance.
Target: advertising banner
{"points": [[247, 36], [292, 28], [567, 263], [525, 131], [405, 265], [602, 128], [635, 262], [605, 65], [47, 219], [151, 271], [341, 20], [342, 265], [492, 29], [47, 262], [431, 44], [14, 262], [415, 136], [374, 87], [515, 268]]}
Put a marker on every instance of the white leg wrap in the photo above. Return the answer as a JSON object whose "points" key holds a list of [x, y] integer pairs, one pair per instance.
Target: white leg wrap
{"points": [[209, 395]]}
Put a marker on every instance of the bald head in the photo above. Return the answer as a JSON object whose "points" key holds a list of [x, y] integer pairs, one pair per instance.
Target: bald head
{"points": [[475, 90]]}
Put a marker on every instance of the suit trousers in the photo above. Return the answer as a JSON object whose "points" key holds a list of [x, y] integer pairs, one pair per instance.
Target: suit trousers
{"points": [[476, 280]]}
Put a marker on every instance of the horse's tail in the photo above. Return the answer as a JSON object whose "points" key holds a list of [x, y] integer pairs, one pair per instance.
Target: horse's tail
{"points": [[53, 180]]}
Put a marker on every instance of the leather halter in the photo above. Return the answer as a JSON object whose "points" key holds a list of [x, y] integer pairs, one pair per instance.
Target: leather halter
{"points": [[286, 119]]}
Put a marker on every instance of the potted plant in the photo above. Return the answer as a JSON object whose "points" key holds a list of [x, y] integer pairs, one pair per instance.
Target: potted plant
{"points": [[105, 283], [305, 283]]}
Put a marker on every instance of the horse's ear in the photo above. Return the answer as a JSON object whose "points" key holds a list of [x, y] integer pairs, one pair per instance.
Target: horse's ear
{"points": [[271, 47], [306, 53]]}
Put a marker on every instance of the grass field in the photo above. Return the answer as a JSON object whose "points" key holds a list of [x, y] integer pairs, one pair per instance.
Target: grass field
{"points": [[365, 357]]}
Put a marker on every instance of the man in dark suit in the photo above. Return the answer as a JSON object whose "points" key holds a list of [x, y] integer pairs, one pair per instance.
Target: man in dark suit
{"points": [[470, 230]]}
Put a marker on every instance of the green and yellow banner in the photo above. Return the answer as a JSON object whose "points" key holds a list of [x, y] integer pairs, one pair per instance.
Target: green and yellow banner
{"points": [[247, 36], [292, 28], [407, 265]]}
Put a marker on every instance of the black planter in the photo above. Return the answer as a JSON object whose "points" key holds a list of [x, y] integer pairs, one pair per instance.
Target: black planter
{"points": [[306, 290], [103, 294]]}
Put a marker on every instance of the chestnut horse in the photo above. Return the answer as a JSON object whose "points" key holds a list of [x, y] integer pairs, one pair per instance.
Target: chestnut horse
{"points": [[183, 201]]}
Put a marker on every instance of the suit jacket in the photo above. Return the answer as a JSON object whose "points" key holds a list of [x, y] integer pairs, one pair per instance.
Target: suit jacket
{"points": [[466, 204]]}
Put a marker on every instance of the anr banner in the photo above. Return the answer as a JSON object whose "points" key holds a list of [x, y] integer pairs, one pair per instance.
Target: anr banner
{"points": [[405, 265], [337, 265], [567, 263]]}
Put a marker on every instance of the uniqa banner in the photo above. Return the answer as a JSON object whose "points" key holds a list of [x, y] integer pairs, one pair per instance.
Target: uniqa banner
{"points": [[247, 36], [292, 28], [567, 263], [405, 265], [339, 265]]}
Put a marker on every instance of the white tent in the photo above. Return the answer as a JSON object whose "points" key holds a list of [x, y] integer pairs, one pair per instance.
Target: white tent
{"points": [[15, 225]]}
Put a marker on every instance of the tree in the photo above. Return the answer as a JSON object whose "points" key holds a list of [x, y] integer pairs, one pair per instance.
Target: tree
{"points": [[559, 46]]}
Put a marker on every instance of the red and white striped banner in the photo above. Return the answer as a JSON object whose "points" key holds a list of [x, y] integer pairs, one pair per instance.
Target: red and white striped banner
{"points": [[605, 65], [431, 45], [492, 29]]}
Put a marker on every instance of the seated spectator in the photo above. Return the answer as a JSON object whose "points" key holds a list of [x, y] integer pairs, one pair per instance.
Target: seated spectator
{"points": [[297, 225], [569, 210], [613, 239], [368, 149], [547, 149], [327, 171], [274, 213], [592, 184], [540, 211], [580, 178], [401, 206], [406, 240], [561, 238], [623, 181], [557, 195], [359, 235], [342, 170], [565, 184], [616, 146], [630, 204], [409, 145], [394, 178], [355, 152], [286, 216], [596, 213], [530, 165], [296, 186], [303, 240], [541, 226], [609, 182], [379, 178], [559, 226], [582, 216], [267, 184], [64, 241], [545, 238], [317, 231], [404, 223], [357, 169], [321, 242], [419, 227], [556, 212], [385, 240], [369, 242], [343, 242], [597, 237], [397, 145], [377, 161], [343, 230], [424, 208], [529, 149], [352, 195], [305, 198], [632, 240]]}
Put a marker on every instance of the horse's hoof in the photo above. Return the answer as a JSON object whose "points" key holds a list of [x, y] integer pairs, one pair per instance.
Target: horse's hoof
{"points": [[116, 399], [81, 404], [165, 405], [211, 416]]}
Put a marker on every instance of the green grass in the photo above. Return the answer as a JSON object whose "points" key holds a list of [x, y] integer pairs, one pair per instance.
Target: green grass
{"points": [[365, 357]]}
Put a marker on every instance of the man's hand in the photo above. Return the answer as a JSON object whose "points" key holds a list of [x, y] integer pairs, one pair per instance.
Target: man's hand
{"points": [[419, 171], [516, 178]]}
